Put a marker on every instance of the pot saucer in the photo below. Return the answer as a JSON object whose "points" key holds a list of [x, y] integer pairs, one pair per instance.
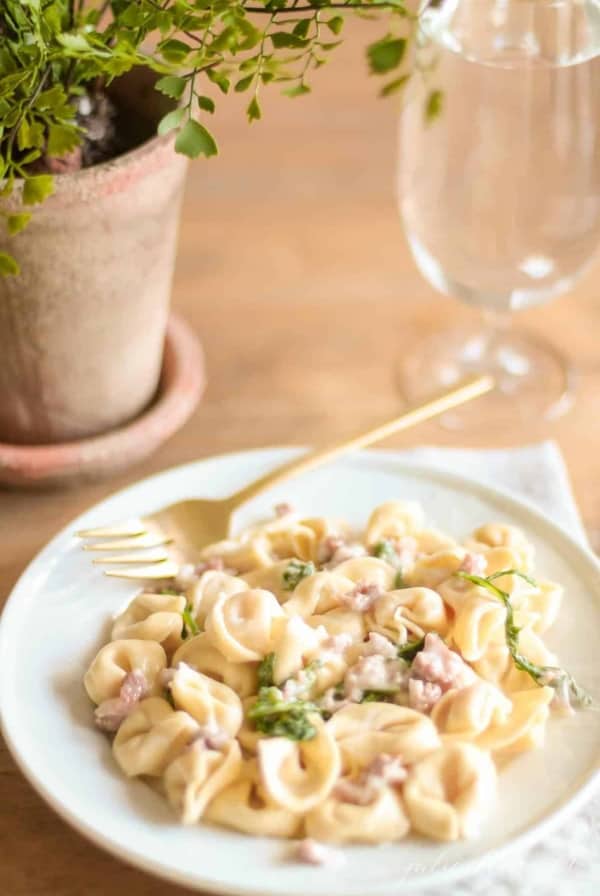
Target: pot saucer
{"points": [[181, 385]]}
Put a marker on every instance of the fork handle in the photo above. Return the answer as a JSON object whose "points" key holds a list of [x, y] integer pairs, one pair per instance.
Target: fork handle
{"points": [[450, 398]]}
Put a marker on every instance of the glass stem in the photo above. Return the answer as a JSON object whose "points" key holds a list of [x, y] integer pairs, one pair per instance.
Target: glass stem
{"points": [[496, 323]]}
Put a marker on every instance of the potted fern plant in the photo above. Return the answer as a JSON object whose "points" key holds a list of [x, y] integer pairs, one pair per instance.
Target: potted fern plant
{"points": [[101, 105]]}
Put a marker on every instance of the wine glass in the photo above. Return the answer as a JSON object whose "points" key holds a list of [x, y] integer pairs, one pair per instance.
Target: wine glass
{"points": [[500, 191]]}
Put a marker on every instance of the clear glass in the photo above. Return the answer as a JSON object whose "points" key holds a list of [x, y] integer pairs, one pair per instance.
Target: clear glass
{"points": [[500, 193]]}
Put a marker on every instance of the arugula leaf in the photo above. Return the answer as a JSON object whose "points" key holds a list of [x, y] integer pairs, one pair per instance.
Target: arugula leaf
{"points": [[377, 696], [295, 571], [276, 717], [410, 649], [385, 550], [190, 626], [552, 676], [265, 671], [399, 580]]}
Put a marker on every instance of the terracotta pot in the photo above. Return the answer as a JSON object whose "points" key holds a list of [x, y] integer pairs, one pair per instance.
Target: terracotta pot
{"points": [[82, 327]]}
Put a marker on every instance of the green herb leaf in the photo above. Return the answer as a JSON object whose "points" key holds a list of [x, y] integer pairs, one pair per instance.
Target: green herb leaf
{"points": [[37, 188], [283, 39], [295, 571], [8, 265], [16, 223], [62, 139], [194, 140], [386, 54], [433, 106], [297, 90], [171, 86], [385, 550], [336, 24], [377, 696], [206, 104], [410, 649], [394, 86], [244, 84], [276, 717], [265, 671], [253, 111], [399, 581], [170, 121], [190, 626], [551, 676]]}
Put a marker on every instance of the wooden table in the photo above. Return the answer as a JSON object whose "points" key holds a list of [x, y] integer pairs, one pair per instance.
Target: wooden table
{"points": [[293, 269]]}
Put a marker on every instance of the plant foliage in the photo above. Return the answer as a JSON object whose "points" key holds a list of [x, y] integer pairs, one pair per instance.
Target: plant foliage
{"points": [[51, 51]]}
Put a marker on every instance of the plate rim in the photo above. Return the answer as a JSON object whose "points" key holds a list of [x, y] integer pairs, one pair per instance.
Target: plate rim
{"points": [[566, 808]]}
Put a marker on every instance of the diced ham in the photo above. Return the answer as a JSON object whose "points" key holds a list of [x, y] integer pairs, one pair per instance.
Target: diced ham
{"points": [[111, 713], [382, 771], [406, 549], [186, 577], [377, 643], [438, 666], [357, 792], [474, 564], [561, 702], [210, 736], [388, 769], [190, 573], [361, 598], [423, 695], [311, 852], [327, 548], [283, 509], [166, 677], [331, 701], [374, 673], [334, 550], [337, 644]]}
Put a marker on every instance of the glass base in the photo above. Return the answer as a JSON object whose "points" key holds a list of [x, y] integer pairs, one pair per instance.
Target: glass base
{"points": [[533, 380]]}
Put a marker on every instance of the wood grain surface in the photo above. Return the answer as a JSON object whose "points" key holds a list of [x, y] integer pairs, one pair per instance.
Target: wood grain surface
{"points": [[293, 269]]}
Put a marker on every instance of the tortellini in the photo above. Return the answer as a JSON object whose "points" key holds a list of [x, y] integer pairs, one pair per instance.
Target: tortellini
{"points": [[448, 792], [240, 625], [212, 585], [350, 687], [151, 737], [431, 570], [319, 594], [393, 520], [366, 730], [152, 617], [368, 571], [246, 806], [116, 659], [466, 713], [198, 774], [293, 641], [478, 622], [299, 775], [200, 654], [209, 702], [379, 821], [407, 613]]}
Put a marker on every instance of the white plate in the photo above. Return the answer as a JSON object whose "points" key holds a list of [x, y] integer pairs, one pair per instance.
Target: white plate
{"points": [[58, 616]]}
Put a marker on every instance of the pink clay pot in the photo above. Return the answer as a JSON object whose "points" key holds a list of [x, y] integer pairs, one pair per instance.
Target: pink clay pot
{"points": [[82, 328]]}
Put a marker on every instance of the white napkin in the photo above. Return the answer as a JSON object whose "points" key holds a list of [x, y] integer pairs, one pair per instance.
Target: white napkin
{"points": [[569, 860]]}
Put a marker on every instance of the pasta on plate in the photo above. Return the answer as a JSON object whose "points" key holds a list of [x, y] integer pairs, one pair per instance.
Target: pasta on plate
{"points": [[306, 680]]}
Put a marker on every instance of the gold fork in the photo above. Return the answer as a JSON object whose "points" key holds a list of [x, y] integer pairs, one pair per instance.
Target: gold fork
{"points": [[155, 546]]}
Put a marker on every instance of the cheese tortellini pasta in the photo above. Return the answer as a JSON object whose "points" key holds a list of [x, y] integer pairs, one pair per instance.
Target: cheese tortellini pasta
{"points": [[310, 680]]}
